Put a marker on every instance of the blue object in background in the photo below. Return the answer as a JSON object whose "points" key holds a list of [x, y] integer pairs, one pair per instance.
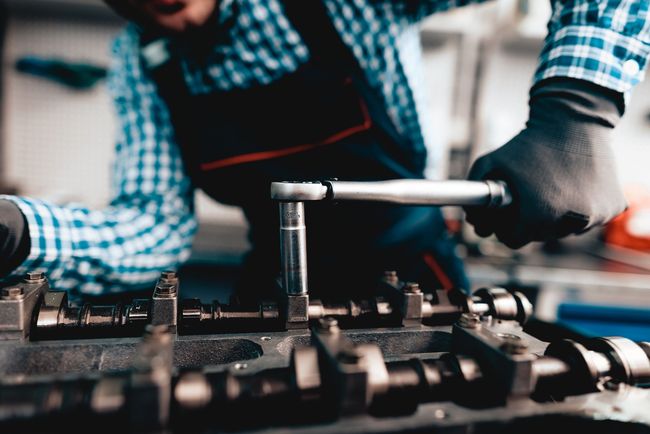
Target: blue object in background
{"points": [[70, 74], [594, 320]]}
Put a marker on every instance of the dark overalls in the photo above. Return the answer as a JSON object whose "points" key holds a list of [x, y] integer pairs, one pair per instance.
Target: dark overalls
{"points": [[320, 122]]}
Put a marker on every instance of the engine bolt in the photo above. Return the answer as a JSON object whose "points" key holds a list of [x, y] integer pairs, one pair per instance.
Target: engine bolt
{"points": [[34, 277], [168, 275], [165, 290], [13, 293]]}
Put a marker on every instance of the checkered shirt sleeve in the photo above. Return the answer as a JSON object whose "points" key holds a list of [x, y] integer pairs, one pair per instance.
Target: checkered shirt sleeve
{"points": [[606, 42], [149, 224]]}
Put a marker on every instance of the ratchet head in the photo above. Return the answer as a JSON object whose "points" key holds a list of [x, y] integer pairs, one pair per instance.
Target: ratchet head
{"points": [[298, 191]]}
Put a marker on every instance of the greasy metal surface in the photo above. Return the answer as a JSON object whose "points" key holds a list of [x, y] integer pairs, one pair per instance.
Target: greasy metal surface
{"points": [[79, 356], [259, 351], [253, 352]]}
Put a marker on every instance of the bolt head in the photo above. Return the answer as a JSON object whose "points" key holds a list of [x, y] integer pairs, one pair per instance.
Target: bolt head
{"points": [[12, 293], [34, 276], [165, 290], [168, 275]]}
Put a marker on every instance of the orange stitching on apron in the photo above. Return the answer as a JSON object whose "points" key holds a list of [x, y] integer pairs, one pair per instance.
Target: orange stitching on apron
{"points": [[437, 270], [267, 155]]}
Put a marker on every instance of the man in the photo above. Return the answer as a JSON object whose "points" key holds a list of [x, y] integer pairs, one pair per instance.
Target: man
{"points": [[229, 95]]}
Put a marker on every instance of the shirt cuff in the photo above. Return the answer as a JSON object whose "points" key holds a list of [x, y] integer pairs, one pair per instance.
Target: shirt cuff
{"points": [[596, 54]]}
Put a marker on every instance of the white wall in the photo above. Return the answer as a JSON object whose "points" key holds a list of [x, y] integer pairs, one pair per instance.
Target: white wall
{"points": [[59, 141]]}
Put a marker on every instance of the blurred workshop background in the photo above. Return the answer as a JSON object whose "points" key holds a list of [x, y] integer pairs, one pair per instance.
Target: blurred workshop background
{"points": [[57, 131]]}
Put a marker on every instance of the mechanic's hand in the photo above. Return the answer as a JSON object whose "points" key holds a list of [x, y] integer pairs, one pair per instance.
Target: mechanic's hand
{"points": [[560, 168], [14, 237]]}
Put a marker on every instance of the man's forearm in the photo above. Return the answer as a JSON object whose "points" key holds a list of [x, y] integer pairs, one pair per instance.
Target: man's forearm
{"points": [[95, 251]]}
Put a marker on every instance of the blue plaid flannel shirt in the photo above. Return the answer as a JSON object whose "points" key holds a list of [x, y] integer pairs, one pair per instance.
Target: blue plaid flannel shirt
{"points": [[149, 224]]}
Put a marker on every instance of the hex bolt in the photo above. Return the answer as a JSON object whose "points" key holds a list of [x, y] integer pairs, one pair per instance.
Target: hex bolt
{"points": [[34, 277], [412, 288], [165, 290], [12, 293], [469, 321], [168, 275], [328, 325]]}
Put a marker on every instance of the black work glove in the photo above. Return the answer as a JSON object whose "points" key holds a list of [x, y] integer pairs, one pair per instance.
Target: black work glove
{"points": [[560, 169], [14, 237]]}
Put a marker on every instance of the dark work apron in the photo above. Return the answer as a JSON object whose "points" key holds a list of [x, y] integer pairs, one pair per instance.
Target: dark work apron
{"points": [[320, 122]]}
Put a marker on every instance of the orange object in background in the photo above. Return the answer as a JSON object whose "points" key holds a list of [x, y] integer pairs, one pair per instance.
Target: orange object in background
{"points": [[632, 228]]}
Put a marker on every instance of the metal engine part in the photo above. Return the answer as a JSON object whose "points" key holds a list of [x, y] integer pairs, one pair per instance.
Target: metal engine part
{"points": [[403, 360], [333, 380], [17, 303]]}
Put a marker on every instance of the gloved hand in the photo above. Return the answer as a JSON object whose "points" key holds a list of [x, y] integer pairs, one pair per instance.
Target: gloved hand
{"points": [[560, 168], [14, 237]]}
